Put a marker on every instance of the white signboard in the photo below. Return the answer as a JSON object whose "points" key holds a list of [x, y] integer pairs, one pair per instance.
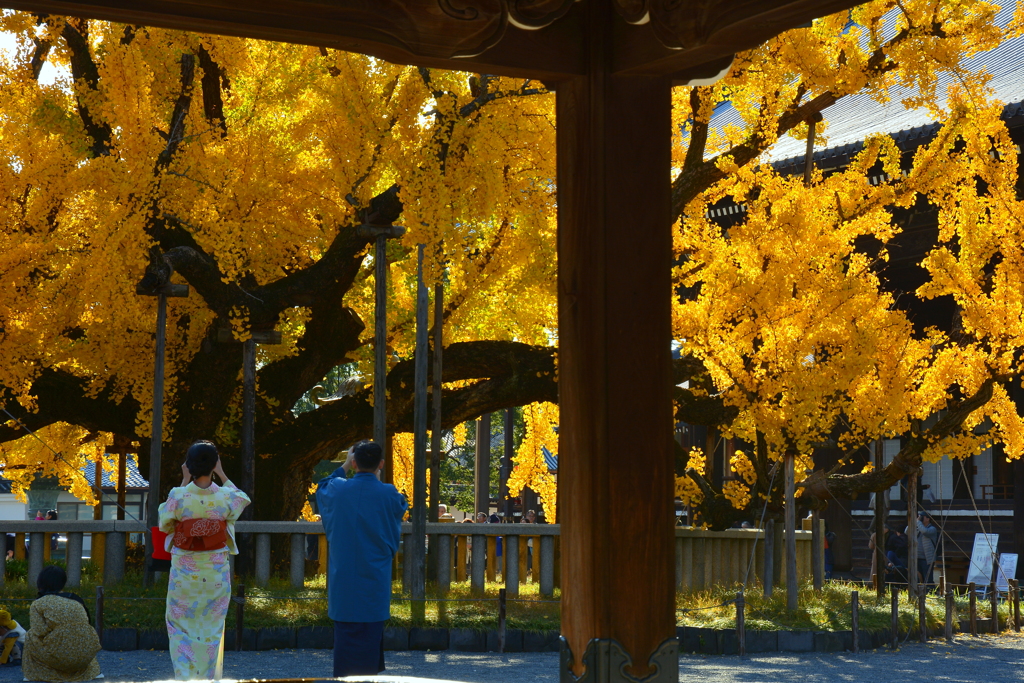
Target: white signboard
{"points": [[1007, 570], [982, 557]]}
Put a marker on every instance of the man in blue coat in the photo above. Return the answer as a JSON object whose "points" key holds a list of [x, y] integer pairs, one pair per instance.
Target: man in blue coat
{"points": [[362, 517]]}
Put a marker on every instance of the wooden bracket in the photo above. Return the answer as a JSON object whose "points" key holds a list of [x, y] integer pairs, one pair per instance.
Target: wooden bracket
{"points": [[167, 290], [225, 336], [371, 231]]}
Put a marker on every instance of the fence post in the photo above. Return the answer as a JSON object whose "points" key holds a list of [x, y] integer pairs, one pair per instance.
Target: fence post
{"points": [[298, 560], [35, 556], [262, 559], [512, 564], [239, 617], [949, 615], [478, 564], [99, 613], [1016, 605], [922, 612], [501, 620], [895, 618], [994, 601], [855, 619], [322, 553], [444, 563], [546, 547], [19, 546], [73, 558], [972, 601], [741, 625]]}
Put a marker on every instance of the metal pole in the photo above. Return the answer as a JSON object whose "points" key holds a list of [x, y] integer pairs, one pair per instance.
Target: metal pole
{"points": [[435, 397], [791, 578], [419, 509], [380, 340]]}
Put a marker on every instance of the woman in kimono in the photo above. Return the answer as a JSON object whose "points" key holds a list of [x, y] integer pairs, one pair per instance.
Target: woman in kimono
{"points": [[199, 520]]}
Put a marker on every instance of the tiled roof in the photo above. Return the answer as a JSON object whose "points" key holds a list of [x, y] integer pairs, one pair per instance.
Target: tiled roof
{"points": [[550, 459], [135, 480], [856, 117]]}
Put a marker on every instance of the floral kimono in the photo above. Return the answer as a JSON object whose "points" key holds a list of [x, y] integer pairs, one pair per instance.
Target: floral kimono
{"points": [[199, 588]]}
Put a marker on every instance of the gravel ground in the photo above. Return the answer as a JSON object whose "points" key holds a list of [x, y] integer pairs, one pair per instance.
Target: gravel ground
{"points": [[984, 659]]}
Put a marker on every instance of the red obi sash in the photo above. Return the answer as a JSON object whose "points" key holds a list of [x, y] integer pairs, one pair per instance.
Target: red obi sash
{"points": [[201, 534]]}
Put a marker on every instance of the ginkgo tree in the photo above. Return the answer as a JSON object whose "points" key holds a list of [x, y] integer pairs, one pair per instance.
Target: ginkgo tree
{"points": [[243, 169], [799, 341]]}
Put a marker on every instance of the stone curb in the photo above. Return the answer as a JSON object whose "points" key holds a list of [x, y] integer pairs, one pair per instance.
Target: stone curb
{"points": [[322, 637], [692, 639]]}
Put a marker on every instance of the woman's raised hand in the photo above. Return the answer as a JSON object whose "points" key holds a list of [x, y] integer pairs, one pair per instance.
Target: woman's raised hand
{"points": [[219, 471], [186, 476]]}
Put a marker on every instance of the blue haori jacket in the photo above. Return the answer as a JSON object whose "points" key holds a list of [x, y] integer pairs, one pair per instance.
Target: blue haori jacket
{"points": [[363, 520]]}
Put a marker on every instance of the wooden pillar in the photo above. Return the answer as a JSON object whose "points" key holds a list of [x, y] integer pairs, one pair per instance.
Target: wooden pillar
{"points": [[880, 513], [792, 585], [912, 533], [615, 370], [482, 466]]}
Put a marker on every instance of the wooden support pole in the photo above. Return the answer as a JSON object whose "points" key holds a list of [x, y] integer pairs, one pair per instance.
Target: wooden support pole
{"points": [[247, 480], [508, 438], [501, 620], [122, 484], [972, 603], [855, 619], [922, 613], [879, 560], [817, 551], [768, 580], [98, 610], [614, 141], [741, 626], [19, 546], [993, 596], [156, 433], [1016, 605], [895, 619], [482, 466], [380, 339], [912, 533], [949, 616], [435, 404], [239, 617], [792, 585], [416, 555]]}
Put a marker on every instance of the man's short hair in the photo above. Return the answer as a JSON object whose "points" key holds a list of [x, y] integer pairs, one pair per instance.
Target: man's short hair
{"points": [[368, 455]]}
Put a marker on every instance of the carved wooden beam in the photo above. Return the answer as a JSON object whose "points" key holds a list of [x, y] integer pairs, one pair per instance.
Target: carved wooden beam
{"points": [[541, 39]]}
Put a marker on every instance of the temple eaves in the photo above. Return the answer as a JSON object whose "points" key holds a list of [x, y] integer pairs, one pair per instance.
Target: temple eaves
{"points": [[688, 39]]}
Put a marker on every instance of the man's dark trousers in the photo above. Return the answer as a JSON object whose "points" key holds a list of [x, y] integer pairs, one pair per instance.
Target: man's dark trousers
{"points": [[358, 648]]}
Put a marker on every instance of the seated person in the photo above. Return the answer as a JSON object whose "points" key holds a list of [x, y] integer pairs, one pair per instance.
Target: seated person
{"points": [[12, 639], [61, 644]]}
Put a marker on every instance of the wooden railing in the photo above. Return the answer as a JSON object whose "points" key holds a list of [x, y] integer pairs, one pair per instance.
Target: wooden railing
{"points": [[457, 552]]}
